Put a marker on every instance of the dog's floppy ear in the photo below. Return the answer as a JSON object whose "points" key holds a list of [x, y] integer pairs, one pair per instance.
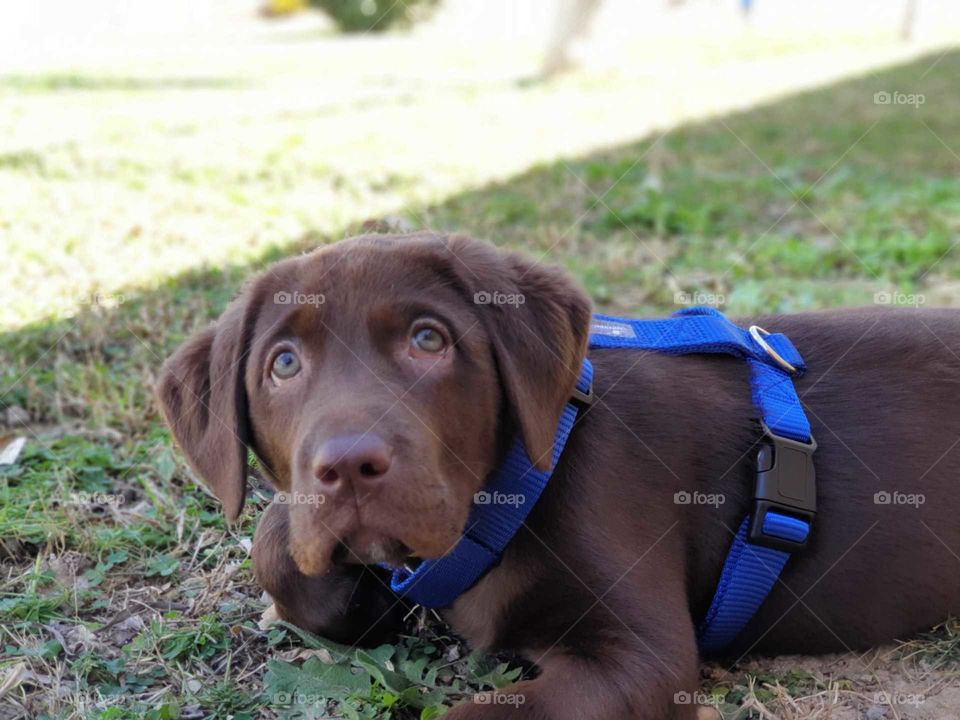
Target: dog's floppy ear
{"points": [[538, 321], [202, 396]]}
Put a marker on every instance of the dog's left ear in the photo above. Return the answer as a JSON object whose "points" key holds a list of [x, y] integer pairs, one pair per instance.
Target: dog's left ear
{"points": [[538, 321], [201, 395]]}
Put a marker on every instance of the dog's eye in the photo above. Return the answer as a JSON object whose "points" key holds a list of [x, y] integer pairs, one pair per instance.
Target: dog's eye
{"points": [[285, 365], [429, 340]]}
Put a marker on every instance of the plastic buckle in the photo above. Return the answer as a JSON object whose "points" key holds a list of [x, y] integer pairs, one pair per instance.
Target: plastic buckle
{"points": [[786, 484], [581, 397]]}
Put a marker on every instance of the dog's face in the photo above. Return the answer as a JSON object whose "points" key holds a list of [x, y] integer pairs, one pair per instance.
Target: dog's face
{"points": [[378, 381]]}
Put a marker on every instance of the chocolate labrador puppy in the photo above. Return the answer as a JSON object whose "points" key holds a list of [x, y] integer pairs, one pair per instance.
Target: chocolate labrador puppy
{"points": [[379, 394]]}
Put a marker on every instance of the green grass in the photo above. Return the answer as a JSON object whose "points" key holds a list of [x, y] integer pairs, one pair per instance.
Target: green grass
{"points": [[122, 585]]}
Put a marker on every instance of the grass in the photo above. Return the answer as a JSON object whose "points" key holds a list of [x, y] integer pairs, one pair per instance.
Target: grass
{"points": [[125, 595]]}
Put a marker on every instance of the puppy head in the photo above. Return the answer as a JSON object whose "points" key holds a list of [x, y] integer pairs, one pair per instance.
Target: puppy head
{"points": [[378, 381]]}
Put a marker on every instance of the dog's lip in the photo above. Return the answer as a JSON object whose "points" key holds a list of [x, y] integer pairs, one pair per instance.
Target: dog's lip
{"points": [[386, 550]]}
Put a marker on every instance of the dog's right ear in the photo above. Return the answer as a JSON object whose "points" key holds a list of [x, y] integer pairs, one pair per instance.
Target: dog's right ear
{"points": [[203, 400]]}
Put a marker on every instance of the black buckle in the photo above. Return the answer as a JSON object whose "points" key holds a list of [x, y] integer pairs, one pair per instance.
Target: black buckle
{"points": [[786, 483]]}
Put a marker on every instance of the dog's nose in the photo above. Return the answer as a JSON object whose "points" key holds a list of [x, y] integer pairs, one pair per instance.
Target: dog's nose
{"points": [[351, 458]]}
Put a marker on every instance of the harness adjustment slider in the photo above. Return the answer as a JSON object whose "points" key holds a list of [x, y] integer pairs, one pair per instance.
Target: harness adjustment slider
{"points": [[584, 397]]}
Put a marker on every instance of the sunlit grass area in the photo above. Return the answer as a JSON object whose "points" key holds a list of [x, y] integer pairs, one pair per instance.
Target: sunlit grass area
{"points": [[116, 179], [135, 202]]}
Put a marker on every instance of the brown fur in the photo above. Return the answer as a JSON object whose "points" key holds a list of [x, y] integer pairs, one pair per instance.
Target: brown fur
{"points": [[604, 584]]}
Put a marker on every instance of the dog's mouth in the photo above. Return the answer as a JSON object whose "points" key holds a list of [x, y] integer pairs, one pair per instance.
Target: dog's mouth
{"points": [[372, 549], [382, 531]]}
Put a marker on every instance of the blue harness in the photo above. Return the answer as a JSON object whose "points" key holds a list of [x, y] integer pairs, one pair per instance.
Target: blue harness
{"points": [[784, 499]]}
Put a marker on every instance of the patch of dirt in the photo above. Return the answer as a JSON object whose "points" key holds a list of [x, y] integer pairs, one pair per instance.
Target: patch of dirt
{"points": [[896, 682]]}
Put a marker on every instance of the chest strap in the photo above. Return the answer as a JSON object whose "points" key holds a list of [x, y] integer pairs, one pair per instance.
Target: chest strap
{"points": [[784, 497]]}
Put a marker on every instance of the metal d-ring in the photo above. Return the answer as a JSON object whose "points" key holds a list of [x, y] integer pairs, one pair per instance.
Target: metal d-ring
{"points": [[758, 333]]}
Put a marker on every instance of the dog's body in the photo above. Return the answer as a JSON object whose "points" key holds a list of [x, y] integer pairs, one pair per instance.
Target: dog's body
{"points": [[604, 585]]}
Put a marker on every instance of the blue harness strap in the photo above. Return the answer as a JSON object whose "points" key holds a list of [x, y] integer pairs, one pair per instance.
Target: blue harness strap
{"points": [[749, 574], [498, 512], [784, 501]]}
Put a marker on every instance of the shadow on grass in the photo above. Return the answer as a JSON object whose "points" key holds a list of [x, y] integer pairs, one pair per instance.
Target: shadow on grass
{"points": [[823, 198]]}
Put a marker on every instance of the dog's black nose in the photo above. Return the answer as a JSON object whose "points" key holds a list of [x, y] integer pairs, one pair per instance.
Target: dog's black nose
{"points": [[354, 459]]}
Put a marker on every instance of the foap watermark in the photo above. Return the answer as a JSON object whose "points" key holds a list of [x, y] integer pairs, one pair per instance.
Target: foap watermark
{"points": [[82, 699], [298, 698], [97, 498], [484, 497], [899, 498], [694, 698], [299, 498], [298, 298], [696, 497], [899, 698], [900, 299], [498, 698], [495, 297], [698, 297], [72, 302], [884, 97], [105, 300]]}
